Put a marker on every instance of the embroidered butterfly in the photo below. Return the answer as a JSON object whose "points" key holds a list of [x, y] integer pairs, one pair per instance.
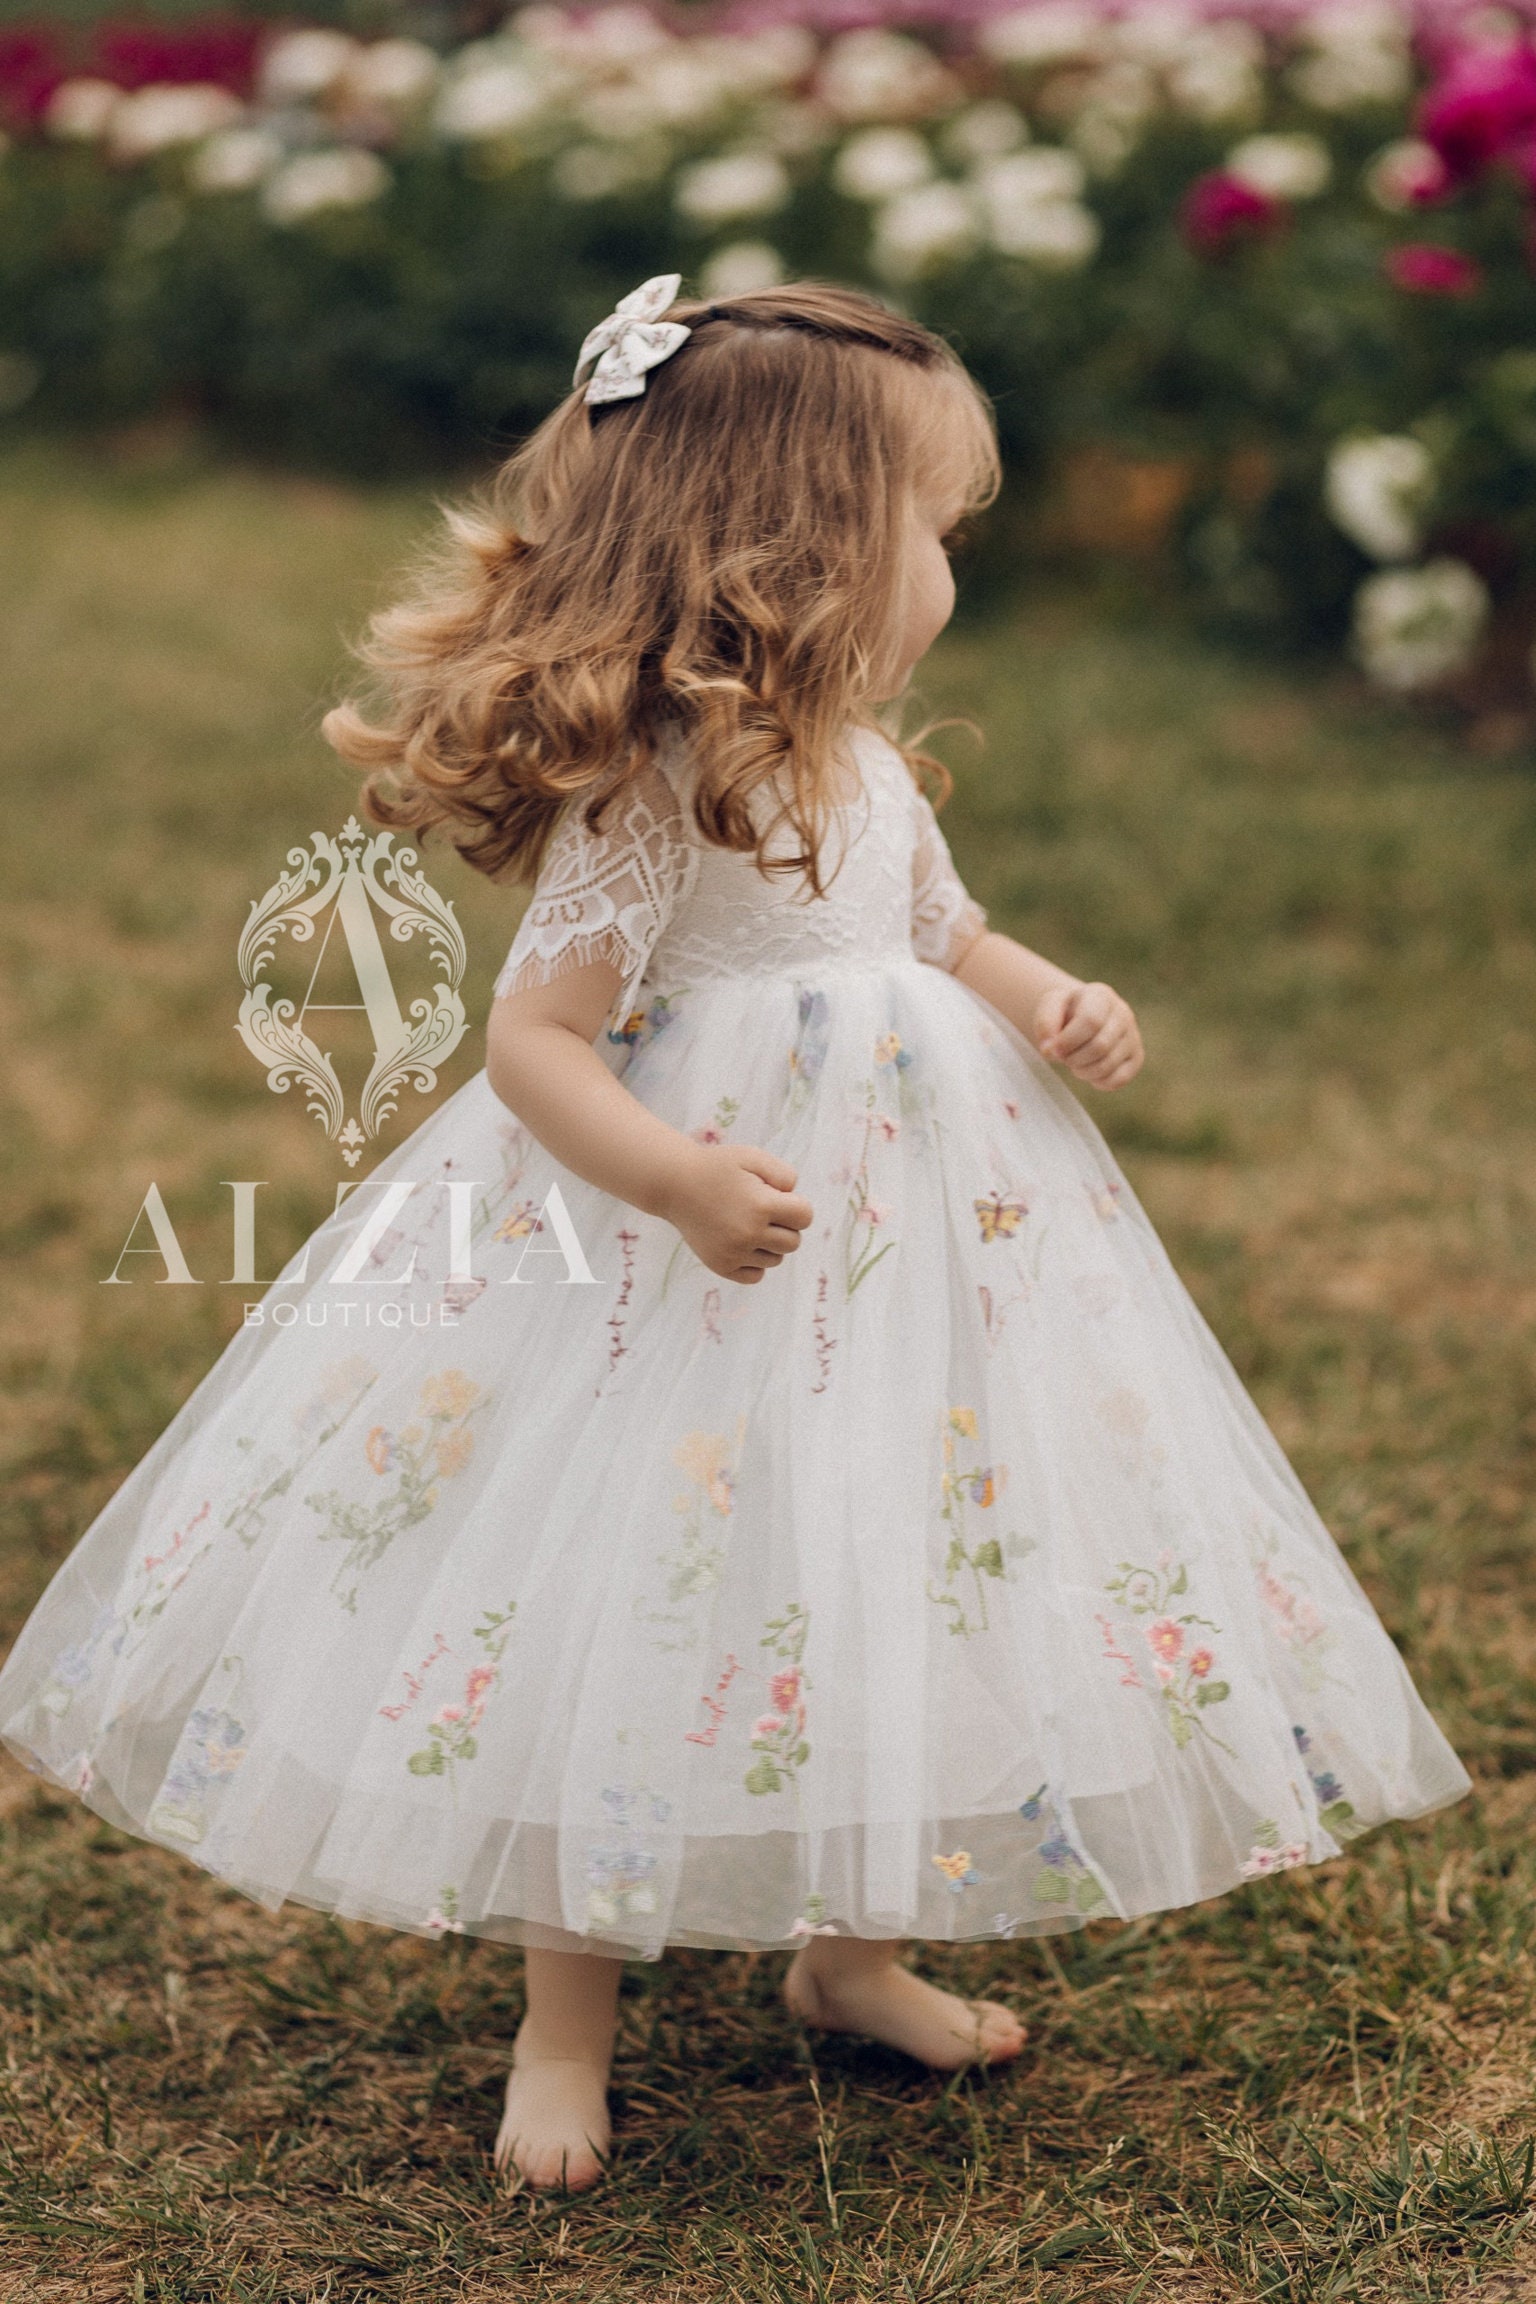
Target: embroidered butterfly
{"points": [[999, 1218], [958, 1870]]}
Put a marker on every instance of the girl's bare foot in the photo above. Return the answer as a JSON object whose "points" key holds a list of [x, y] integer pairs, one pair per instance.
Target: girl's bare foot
{"points": [[849, 1984], [555, 2129]]}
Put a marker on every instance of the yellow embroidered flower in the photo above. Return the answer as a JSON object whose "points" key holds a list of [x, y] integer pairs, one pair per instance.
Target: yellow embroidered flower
{"points": [[705, 1457], [451, 1394], [453, 1452], [887, 1048], [963, 1421]]}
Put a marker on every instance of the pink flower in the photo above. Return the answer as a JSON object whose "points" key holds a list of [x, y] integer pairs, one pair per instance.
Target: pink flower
{"points": [[1219, 210], [784, 1690], [1200, 1663], [770, 1725], [1165, 1638], [448, 1714], [889, 1129], [477, 1683], [1424, 269], [872, 1213], [707, 1136], [1483, 109]]}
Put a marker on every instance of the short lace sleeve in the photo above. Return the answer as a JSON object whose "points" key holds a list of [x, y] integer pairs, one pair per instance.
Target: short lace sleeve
{"points": [[605, 895], [946, 921]]}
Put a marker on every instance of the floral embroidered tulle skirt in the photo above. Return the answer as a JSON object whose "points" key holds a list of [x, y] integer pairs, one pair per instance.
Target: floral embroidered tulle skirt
{"points": [[946, 1583]]}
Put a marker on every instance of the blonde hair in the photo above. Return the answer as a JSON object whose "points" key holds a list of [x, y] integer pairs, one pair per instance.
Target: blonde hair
{"points": [[720, 557]]}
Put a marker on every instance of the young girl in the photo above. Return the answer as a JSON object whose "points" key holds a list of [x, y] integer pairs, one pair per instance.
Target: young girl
{"points": [[794, 1503]]}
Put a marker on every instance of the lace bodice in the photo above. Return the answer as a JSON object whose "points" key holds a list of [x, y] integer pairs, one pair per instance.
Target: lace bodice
{"points": [[666, 907]]}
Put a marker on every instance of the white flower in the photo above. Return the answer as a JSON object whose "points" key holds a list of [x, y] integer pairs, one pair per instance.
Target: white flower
{"points": [[738, 269], [1045, 172], [1033, 210], [1048, 33], [155, 119], [234, 160], [683, 85], [1117, 103], [982, 131], [874, 74], [343, 177], [1414, 626], [1157, 31], [1218, 71], [81, 108], [302, 65], [597, 171], [1358, 54], [927, 226], [774, 56], [617, 35], [880, 162], [494, 91], [1378, 489], [391, 72], [1292, 167], [1059, 234], [731, 185], [1403, 174]]}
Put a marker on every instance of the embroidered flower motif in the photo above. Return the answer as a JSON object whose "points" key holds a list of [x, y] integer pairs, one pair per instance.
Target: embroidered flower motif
{"points": [[1067, 1878], [778, 1737], [889, 1050], [1270, 1854], [647, 1021], [444, 1919], [958, 1870], [451, 1732], [1335, 1813], [981, 1557], [1185, 1689], [432, 1447], [523, 1220]]}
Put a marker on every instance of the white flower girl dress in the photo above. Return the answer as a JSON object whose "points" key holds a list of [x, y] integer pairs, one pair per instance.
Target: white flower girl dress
{"points": [[946, 1583]]}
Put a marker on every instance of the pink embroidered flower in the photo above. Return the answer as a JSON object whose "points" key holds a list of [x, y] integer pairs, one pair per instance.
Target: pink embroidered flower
{"points": [[449, 1712], [1423, 269], [1219, 210], [872, 1213], [889, 1129], [1165, 1638], [478, 1682], [1200, 1663], [708, 1136], [770, 1725], [784, 1690], [1011, 1107]]}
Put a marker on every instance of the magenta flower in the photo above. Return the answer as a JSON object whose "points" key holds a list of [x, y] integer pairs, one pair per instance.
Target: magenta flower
{"points": [[784, 1690], [1425, 269], [1219, 210], [1483, 109]]}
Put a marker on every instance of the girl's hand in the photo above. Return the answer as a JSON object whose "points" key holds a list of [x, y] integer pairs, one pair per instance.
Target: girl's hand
{"points": [[1090, 1029], [737, 1208]]}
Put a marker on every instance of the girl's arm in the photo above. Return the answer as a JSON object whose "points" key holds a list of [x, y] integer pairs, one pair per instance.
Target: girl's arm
{"points": [[1087, 1027], [736, 1206]]}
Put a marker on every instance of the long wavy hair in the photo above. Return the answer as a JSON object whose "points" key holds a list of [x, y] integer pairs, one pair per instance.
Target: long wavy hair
{"points": [[719, 558]]}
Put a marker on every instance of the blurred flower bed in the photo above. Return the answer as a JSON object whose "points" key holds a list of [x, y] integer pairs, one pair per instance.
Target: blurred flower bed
{"points": [[1253, 288]]}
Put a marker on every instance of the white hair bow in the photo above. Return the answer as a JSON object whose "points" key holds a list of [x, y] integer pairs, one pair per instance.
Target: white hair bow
{"points": [[631, 340]]}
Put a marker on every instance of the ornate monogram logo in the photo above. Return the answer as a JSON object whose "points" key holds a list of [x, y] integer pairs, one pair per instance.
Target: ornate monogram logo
{"points": [[344, 882]]}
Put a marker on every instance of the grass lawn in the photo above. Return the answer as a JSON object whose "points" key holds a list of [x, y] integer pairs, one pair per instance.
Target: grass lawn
{"points": [[1319, 2087]]}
